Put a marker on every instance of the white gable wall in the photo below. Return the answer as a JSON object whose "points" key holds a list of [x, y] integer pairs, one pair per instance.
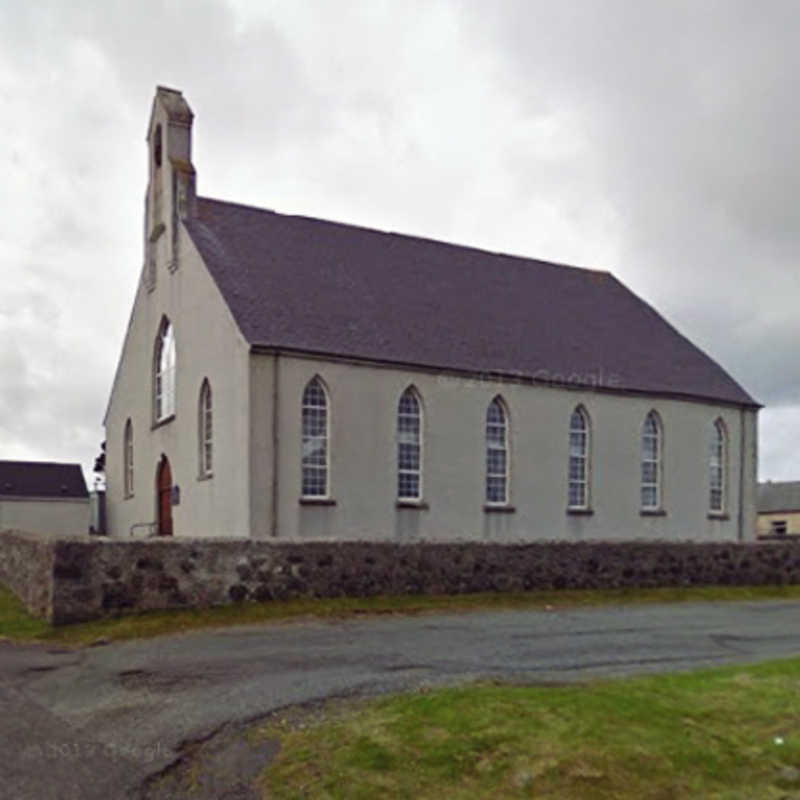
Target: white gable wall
{"points": [[208, 345], [363, 407]]}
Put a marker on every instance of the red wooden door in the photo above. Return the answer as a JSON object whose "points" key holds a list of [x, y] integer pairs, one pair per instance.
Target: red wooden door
{"points": [[164, 497]]}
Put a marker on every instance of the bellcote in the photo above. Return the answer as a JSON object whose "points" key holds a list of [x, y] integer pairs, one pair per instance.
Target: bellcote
{"points": [[171, 192]]}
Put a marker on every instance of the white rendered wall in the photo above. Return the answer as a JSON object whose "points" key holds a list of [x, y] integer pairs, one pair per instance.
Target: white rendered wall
{"points": [[363, 404], [57, 517], [208, 345]]}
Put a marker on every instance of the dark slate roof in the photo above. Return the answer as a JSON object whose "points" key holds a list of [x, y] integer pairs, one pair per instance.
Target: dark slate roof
{"points": [[41, 479], [775, 497], [306, 284]]}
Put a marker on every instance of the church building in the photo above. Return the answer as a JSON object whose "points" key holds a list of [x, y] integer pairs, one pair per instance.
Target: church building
{"points": [[291, 377]]}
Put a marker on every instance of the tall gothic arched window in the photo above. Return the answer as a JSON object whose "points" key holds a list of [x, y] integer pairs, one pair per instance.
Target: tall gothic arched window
{"points": [[205, 430], [579, 466], [164, 373], [409, 446], [718, 468], [127, 459], [651, 472], [496, 453], [315, 440]]}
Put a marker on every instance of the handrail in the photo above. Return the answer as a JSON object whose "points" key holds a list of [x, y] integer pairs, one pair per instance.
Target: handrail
{"points": [[151, 526]]}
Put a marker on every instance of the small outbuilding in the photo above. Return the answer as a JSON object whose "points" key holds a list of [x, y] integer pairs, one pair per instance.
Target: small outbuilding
{"points": [[779, 508], [43, 497]]}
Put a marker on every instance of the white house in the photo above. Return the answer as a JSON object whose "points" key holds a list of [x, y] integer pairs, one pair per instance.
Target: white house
{"points": [[44, 498], [293, 377]]}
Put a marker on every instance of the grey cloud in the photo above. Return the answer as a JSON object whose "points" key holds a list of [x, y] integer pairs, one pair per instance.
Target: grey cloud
{"points": [[653, 139], [688, 112]]}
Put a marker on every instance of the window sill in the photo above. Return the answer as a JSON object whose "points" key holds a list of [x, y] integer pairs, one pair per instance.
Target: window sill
{"points": [[128, 496], [207, 476], [499, 508], [160, 422], [721, 515], [652, 512], [419, 504], [580, 512], [317, 501]]}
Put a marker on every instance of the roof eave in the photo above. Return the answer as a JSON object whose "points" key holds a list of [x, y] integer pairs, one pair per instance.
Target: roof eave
{"points": [[260, 348]]}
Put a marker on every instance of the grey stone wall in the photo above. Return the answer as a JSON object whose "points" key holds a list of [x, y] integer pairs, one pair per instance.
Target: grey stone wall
{"points": [[26, 567], [90, 578]]}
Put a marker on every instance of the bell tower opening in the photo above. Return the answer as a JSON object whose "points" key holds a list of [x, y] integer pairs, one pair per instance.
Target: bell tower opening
{"points": [[157, 145]]}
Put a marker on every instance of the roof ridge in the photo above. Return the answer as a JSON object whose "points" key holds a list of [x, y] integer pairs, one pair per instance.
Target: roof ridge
{"points": [[408, 236]]}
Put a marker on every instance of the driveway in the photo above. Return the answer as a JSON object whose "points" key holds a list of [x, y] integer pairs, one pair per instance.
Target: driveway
{"points": [[95, 723]]}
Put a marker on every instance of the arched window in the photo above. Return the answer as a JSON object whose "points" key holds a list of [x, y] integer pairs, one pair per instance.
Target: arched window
{"points": [[718, 467], [409, 446], [205, 430], [164, 383], [651, 463], [315, 440], [496, 453], [127, 459], [579, 449]]}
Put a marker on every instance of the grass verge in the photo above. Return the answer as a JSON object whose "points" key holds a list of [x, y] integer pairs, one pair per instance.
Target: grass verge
{"points": [[17, 624], [727, 734]]}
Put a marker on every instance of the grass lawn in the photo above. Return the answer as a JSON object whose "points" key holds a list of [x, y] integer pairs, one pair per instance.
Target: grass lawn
{"points": [[17, 624], [727, 734]]}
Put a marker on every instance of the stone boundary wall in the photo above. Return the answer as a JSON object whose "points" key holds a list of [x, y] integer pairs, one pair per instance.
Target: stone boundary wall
{"points": [[26, 567], [90, 578]]}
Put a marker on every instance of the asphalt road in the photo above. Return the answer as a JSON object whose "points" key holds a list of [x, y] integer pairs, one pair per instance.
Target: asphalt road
{"points": [[95, 723]]}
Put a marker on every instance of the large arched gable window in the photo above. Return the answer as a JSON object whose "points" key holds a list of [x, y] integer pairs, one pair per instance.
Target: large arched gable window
{"points": [[205, 430], [718, 467], [651, 472], [127, 459], [315, 439], [579, 455], [164, 372], [496, 453], [409, 446]]}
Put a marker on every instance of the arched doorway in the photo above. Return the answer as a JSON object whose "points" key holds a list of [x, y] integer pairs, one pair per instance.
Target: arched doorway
{"points": [[164, 497]]}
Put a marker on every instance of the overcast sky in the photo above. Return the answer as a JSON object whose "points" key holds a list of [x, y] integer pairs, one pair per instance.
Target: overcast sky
{"points": [[654, 139]]}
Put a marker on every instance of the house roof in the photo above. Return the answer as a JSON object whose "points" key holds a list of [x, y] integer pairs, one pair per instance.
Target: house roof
{"points": [[303, 284], [779, 496], [41, 479]]}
